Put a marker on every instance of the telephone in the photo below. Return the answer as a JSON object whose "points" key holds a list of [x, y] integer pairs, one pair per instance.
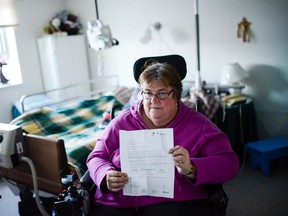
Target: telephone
{"points": [[233, 99]]}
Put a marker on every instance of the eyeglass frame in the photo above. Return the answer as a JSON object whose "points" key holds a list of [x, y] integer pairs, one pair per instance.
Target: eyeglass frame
{"points": [[144, 95]]}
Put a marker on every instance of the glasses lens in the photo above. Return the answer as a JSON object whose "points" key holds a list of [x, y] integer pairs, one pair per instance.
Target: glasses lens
{"points": [[162, 95], [147, 95]]}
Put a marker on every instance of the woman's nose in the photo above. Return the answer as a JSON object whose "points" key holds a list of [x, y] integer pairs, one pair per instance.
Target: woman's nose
{"points": [[154, 98]]}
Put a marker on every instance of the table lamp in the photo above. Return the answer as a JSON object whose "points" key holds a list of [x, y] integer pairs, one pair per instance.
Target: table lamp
{"points": [[232, 75]]}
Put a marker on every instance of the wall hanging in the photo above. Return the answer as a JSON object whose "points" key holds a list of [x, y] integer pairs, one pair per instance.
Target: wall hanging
{"points": [[244, 30]]}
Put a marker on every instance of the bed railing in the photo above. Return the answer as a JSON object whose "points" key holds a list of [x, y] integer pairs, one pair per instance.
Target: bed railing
{"points": [[82, 90]]}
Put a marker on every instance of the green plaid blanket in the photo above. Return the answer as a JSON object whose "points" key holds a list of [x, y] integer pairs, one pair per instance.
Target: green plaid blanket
{"points": [[78, 124]]}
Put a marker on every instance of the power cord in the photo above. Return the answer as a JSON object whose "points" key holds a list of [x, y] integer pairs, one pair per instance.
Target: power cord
{"points": [[242, 139], [35, 184]]}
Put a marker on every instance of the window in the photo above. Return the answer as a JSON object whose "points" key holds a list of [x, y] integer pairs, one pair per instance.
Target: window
{"points": [[2, 42], [8, 50]]}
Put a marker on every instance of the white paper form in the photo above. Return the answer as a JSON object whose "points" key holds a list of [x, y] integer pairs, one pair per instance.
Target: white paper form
{"points": [[144, 157]]}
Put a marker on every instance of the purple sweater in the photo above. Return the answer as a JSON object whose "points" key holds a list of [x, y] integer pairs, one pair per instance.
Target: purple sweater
{"points": [[209, 148]]}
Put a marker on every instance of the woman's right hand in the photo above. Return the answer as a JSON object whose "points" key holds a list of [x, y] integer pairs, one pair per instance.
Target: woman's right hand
{"points": [[116, 180]]}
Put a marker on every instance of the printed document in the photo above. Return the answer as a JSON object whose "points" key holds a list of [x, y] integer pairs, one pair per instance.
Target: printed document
{"points": [[144, 157]]}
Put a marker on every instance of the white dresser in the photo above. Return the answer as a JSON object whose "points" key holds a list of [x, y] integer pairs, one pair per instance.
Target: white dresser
{"points": [[64, 62]]}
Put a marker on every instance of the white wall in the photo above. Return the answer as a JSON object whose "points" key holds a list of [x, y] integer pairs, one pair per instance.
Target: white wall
{"points": [[265, 58], [32, 15]]}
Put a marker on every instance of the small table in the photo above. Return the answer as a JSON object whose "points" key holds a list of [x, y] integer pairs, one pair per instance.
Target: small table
{"points": [[239, 123]]}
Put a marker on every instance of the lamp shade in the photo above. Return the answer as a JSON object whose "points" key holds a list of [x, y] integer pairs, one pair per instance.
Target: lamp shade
{"points": [[8, 15], [233, 73]]}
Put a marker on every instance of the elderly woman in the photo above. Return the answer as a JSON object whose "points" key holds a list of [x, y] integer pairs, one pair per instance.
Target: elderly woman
{"points": [[202, 153]]}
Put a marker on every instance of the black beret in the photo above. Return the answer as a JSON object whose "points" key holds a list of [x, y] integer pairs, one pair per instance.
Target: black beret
{"points": [[176, 60]]}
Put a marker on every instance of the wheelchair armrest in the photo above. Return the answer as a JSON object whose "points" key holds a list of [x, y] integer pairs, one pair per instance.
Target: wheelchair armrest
{"points": [[218, 199], [87, 184], [86, 181]]}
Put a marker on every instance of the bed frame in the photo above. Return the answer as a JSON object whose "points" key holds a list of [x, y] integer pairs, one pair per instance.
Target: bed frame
{"points": [[49, 158], [47, 154]]}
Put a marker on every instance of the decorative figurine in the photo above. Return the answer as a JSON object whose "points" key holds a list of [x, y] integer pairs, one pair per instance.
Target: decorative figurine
{"points": [[244, 30]]}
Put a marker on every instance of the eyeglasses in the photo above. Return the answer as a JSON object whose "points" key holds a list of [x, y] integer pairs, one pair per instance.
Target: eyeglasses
{"points": [[160, 95]]}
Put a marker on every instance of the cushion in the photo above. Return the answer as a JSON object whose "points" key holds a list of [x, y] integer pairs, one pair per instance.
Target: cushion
{"points": [[176, 60]]}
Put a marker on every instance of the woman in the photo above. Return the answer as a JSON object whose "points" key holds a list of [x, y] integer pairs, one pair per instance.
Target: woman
{"points": [[202, 153]]}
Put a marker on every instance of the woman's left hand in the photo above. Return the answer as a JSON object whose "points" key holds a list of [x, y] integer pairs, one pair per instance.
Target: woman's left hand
{"points": [[181, 159]]}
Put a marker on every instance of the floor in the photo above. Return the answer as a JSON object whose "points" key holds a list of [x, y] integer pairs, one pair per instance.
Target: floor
{"points": [[8, 201], [254, 194]]}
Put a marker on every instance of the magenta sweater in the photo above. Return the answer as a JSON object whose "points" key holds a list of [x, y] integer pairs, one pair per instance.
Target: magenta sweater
{"points": [[209, 148]]}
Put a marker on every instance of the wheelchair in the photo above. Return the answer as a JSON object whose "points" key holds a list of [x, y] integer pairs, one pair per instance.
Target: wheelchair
{"points": [[77, 197], [79, 201]]}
